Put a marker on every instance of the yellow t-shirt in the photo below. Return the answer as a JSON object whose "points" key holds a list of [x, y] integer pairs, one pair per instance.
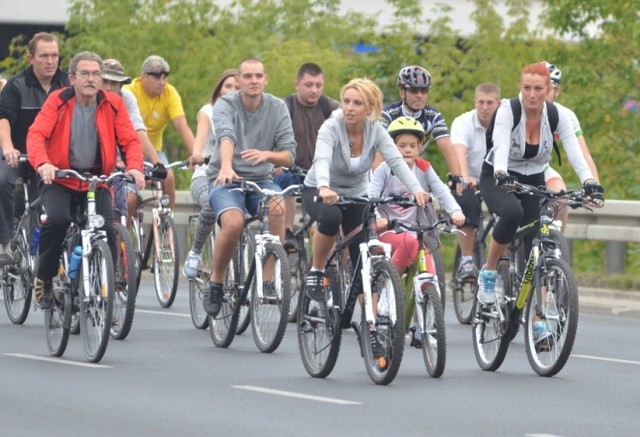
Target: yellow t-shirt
{"points": [[156, 111]]}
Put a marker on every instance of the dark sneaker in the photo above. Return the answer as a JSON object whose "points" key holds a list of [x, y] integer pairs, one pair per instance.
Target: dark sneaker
{"points": [[289, 244], [314, 286], [416, 337], [6, 256], [212, 298], [43, 294], [468, 271], [377, 350]]}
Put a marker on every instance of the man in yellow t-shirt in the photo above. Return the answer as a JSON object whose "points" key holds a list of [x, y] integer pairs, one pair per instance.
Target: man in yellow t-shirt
{"points": [[160, 103]]}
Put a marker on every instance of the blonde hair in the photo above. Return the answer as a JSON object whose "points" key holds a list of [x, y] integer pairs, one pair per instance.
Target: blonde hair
{"points": [[370, 93]]}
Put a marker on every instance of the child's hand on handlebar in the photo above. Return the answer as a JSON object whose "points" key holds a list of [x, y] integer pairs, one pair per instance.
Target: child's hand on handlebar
{"points": [[457, 218], [421, 197], [381, 224]]}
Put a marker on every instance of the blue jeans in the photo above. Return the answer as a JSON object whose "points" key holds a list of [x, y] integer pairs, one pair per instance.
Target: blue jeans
{"points": [[286, 179], [222, 198]]}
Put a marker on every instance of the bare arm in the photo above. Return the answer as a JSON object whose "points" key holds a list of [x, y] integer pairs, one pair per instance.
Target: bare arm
{"points": [[449, 154], [11, 154], [147, 148], [181, 125], [588, 158]]}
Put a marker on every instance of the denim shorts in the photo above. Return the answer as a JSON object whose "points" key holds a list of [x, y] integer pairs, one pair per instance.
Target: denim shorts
{"points": [[286, 179], [222, 198]]}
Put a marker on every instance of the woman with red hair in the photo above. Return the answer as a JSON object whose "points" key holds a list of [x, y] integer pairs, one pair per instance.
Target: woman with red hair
{"points": [[521, 149]]}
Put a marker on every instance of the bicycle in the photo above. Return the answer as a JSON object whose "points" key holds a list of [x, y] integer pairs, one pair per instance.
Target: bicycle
{"points": [[163, 238], [199, 317], [464, 290], [85, 281], [300, 257], [126, 271], [17, 277], [320, 324], [422, 293], [541, 290], [269, 306]]}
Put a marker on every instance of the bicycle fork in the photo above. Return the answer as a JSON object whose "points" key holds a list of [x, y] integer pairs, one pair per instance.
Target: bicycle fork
{"points": [[365, 272]]}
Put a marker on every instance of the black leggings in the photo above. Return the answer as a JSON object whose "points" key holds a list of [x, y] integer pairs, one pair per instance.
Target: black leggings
{"points": [[330, 217], [513, 211], [58, 201]]}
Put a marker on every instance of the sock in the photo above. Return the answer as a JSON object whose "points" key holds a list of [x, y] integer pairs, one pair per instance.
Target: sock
{"points": [[466, 258], [313, 269]]}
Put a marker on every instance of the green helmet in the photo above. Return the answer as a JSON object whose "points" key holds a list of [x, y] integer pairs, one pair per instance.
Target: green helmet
{"points": [[406, 125]]}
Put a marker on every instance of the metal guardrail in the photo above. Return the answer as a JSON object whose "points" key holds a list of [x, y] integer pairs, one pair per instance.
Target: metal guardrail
{"points": [[617, 223]]}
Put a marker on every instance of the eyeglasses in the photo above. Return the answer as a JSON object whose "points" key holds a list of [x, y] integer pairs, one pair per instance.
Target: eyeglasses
{"points": [[418, 90], [159, 74], [85, 74]]}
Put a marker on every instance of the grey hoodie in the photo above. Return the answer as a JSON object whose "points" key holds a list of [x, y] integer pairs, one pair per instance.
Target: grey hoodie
{"points": [[331, 162]]}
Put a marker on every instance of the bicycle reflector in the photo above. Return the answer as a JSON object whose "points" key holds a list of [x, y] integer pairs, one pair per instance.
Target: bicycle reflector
{"points": [[96, 221], [164, 200]]}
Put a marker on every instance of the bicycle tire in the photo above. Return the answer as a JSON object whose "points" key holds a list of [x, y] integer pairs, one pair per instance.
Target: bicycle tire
{"points": [[434, 337], [490, 336], [165, 271], [433, 246], [269, 314], [559, 292], [463, 293], [298, 264], [124, 304], [563, 245], [199, 316], [96, 306], [17, 281], [222, 327], [319, 332], [244, 319], [138, 246], [389, 324], [57, 320]]}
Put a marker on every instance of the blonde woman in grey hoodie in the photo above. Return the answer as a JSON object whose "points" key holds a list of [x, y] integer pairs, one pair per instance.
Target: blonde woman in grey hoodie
{"points": [[345, 150]]}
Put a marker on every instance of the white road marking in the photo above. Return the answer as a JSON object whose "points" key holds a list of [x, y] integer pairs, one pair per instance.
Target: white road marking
{"points": [[59, 361], [295, 395], [163, 313], [611, 360]]}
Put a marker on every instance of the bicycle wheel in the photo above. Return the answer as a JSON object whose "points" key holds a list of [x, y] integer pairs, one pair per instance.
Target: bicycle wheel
{"points": [[249, 250], [554, 304], [319, 333], [199, 316], [299, 265], [389, 324], [138, 246], [165, 263], [464, 293], [58, 318], [222, 327], [434, 339], [269, 313], [563, 245], [17, 281], [433, 246], [124, 303], [492, 326], [96, 304]]}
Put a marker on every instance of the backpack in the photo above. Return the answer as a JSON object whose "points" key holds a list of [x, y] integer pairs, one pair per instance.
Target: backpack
{"points": [[516, 109], [323, 102]]}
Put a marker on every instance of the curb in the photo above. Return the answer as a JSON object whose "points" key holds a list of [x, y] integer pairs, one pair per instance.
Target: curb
{"points": [[601, 301]]}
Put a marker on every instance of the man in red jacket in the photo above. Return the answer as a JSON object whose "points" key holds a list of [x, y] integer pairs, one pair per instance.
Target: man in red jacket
{"points": [[79, 128]]}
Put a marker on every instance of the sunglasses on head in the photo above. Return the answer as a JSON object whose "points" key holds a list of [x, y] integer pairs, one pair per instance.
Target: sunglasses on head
{"points": [[159, 74]]}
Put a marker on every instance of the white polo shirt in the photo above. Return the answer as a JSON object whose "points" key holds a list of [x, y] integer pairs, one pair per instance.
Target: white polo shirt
{"points": [[468, 131]]}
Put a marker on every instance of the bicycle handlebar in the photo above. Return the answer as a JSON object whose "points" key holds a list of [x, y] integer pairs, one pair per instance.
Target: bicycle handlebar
{"points": [[115, 176], [249, 186], [577, 198], [399, 226]]}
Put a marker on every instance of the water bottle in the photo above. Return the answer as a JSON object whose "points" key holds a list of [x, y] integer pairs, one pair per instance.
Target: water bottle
{"points": [[74, 263], [35, 240]]}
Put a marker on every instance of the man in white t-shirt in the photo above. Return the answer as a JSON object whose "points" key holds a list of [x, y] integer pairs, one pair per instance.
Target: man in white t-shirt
{"points": [[468, 136]]}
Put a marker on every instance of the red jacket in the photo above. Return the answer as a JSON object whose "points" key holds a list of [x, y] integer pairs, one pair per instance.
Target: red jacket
{"points": [[49, 135]]}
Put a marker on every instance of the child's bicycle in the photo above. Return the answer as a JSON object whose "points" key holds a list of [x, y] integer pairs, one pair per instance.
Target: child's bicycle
{"points": [[320, 324], [422, 292], [542, 290]]}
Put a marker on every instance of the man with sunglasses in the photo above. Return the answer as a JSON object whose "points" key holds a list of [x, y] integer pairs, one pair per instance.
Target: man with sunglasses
{"points": [[79, 127], [414, 83], [159, 104], [20, 102]]}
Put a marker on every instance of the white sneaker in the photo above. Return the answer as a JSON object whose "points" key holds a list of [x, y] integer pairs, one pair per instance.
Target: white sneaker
{"points": [[191, 265], [487, 286]]}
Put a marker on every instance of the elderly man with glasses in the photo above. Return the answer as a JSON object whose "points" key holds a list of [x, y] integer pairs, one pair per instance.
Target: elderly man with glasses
{"points": [[79, 128]]}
